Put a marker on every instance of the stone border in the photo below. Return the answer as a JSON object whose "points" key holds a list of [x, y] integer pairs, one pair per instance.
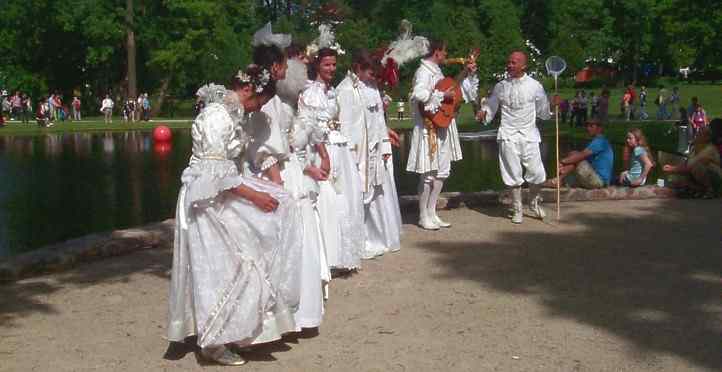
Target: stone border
{"points": [[451, 200], [62, 256]]}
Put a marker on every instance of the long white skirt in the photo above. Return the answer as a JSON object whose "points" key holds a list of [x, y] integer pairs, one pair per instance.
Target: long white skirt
{"points": [[235, 275], [341, 212], [313, 264], [383, 217]]}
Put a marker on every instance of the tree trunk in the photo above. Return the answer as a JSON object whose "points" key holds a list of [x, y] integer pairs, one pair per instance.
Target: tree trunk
{"points": [[162, 93], [131, 51]]}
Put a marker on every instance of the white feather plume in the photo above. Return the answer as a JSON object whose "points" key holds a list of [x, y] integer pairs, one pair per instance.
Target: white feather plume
{"points": [[265, 36], [326, 39], [291, 87], [407, 47]]}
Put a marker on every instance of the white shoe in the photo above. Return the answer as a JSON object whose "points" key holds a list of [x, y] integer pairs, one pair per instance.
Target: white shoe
{"points": [[428, 224], [439, 221], [536, 208], [517, 217]]}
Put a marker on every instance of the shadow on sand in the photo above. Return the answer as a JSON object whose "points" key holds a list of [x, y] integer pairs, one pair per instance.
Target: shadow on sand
{"points": [[651, 278]]}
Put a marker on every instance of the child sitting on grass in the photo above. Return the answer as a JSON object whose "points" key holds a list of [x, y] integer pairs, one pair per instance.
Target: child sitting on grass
{"points": [[637, 159]]}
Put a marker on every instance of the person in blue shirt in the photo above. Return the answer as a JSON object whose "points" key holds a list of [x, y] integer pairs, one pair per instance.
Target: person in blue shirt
{"points": [[591, 166]]}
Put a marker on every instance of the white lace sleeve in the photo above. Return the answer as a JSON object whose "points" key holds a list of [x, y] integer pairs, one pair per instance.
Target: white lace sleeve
{"points": [[312, 116]]}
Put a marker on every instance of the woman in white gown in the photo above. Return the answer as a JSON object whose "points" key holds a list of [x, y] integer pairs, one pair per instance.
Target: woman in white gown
{"points": [[280, 145], [235, 274], [339, 201]]}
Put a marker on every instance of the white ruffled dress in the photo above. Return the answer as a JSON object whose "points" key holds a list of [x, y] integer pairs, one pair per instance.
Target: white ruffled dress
{"points": [[275, 132], [340, 203], [235, 275]]}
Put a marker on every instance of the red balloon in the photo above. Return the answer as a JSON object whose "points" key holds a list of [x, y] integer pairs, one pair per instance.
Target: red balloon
{"points": [[162, 133]]}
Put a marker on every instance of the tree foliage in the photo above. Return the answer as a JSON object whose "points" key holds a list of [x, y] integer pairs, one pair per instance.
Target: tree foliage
{"points": [[81, 44]]}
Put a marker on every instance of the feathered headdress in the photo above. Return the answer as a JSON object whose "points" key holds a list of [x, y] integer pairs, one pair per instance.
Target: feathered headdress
{"points": [[265, 36], [326, 39], [405, 48]]}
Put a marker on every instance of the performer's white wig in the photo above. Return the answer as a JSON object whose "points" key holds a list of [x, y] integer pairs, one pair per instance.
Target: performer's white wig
{"points": [[265, 36], [212, 93], [406, 47], [291, 87]]}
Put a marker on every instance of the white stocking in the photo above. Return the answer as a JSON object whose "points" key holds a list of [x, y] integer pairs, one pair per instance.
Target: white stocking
{"points": [[424, 192], [438, 184]]}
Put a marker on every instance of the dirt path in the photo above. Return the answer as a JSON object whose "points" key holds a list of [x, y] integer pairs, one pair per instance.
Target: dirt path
{"points": [[624, 286]]}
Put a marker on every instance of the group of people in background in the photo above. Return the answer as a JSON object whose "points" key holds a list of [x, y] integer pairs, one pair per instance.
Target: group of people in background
{"points": [[633, 105], [132, 109], [53, 108]]}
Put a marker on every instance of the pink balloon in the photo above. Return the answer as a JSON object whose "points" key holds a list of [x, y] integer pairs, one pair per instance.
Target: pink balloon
{"points": [[162, 133]]}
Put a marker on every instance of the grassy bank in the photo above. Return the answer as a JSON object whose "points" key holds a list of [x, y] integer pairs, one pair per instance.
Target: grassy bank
{"points": [[616, 130], [91, 125]]}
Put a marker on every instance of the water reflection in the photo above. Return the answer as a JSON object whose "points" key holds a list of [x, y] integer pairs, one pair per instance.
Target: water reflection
{"points": [[62, 186]]}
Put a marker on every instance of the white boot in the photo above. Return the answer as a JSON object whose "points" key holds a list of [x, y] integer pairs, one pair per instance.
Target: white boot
{"points": [[516, 206], [438, 184], [425, 221], [535, 200]]}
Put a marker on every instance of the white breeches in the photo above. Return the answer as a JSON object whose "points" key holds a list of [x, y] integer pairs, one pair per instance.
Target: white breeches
{"points": [[513, 156], [444, 155]]}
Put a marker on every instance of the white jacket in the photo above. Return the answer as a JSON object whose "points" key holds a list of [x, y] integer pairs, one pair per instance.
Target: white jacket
{"points": [[522, 101]]}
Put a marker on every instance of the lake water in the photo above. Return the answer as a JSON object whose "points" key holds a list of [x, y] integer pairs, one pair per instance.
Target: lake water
{"points": [[59, 187]]}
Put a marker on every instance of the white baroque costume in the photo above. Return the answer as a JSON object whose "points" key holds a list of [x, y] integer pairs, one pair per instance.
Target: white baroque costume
{"points": [[432, 150], [522, 100], [339, 200], [361, 114], [235, 274], [274, 128]]}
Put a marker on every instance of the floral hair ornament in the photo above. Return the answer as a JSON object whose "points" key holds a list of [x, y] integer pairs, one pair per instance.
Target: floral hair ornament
{"points": [[243, 77], [259, 80], [325, 39]]}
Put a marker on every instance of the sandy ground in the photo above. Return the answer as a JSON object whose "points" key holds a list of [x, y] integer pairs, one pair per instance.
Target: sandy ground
{"points": [[617, 286]]}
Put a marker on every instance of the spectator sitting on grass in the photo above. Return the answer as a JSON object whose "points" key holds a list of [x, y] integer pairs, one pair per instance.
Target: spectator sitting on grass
{"points": [[591, 166], [637, 159], [700, 175]]}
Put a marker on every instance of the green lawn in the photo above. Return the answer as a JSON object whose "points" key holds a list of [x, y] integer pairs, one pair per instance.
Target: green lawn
{"points": [[91, 125], [710, 96]]}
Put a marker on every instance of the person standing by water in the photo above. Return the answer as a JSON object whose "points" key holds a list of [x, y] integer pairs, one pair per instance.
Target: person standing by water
{"points": [[521, 100], [432, 148], [643, 115], [237, 247], [75, 104], [27, 108], [106, 108], [146, 107], [662, 101]]}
